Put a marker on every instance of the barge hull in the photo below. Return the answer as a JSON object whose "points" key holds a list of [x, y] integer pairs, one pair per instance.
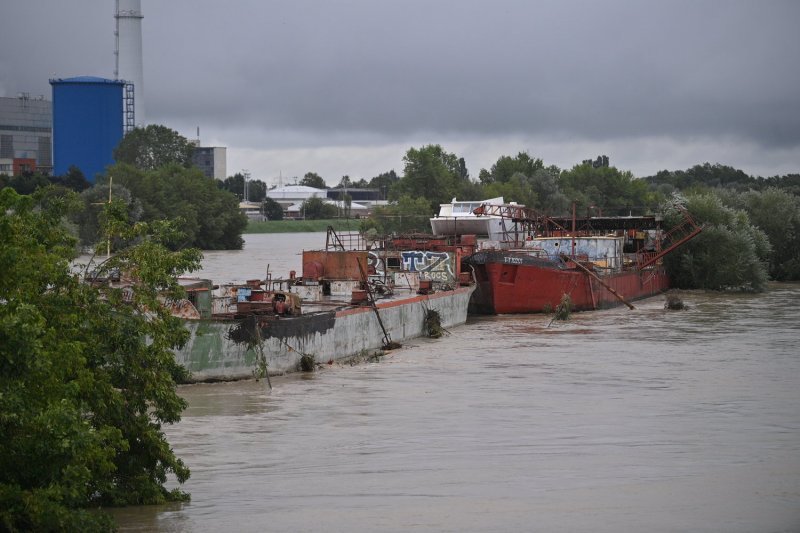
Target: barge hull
{"points": [[538, 286], [223, 350]]}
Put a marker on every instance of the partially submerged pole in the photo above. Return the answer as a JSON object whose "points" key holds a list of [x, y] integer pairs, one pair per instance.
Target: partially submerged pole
{"points": [[601, 282], [387, 340]]}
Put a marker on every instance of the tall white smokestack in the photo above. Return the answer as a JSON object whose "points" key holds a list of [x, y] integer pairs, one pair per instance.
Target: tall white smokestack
{"points": [[129, 52]]}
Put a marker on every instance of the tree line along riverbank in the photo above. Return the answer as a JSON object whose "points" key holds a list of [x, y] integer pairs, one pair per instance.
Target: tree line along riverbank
{"points": [[301, 226]]}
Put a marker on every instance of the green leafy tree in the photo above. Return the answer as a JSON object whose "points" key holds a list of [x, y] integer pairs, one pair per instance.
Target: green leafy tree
{"points": [[316, 208], [515, 189], [549, 198], [527, 181], [312, 179], [613, 191], [730, 253], [789, 183], [87, 375], [152, 147], [209, 217], [706, 176], [344, 183], [256, 189], [407, 215], [94, 200], [506, 167], [234, 185], [432, 173], [777, 213], [272, 209], [384, 182], [73, 180], [347, 201], [27, 182]]}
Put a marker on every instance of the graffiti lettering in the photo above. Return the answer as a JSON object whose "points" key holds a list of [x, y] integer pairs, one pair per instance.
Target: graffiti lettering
{"points": [[430, 265]]}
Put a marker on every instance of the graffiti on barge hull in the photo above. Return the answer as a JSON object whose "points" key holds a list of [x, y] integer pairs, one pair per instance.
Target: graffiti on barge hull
{"points": [[436, 266], [245, 332], [430, 265]]}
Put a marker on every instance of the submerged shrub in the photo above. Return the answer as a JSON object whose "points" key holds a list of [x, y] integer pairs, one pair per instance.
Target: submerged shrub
{"points": [[433, 324], [307, 362], [674, 303], [564, 308]]}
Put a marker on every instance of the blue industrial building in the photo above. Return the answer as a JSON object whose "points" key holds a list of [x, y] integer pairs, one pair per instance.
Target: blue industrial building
{"points": [[88, 123]]}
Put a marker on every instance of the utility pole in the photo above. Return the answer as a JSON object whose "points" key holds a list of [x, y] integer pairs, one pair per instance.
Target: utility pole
{"points": [[246, 175], [108, 242]]}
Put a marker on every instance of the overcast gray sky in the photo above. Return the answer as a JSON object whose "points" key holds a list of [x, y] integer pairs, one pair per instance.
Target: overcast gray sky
{"points": [[346, 87]]}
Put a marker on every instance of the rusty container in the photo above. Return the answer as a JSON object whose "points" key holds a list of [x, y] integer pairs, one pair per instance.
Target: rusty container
{"points": [[359, 296], [425, 286], [469, 240], [258, 296]]}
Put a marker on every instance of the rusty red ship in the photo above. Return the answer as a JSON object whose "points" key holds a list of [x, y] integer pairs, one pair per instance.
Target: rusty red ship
{"points": [[591, 262]]}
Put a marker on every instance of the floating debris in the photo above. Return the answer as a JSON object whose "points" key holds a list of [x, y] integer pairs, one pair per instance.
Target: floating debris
{"points": [[392, 345], [675, 303], [366, 356]]}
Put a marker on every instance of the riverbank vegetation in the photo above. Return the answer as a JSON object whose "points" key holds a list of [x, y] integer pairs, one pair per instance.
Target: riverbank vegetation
{"points": [[301, 226], [87, 373]]}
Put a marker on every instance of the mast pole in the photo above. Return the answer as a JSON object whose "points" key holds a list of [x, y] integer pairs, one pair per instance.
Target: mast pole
{"points": [[572, 237]]}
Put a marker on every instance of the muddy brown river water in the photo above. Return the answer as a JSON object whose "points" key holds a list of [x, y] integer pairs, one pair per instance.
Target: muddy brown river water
{"points": [[618, 420]]}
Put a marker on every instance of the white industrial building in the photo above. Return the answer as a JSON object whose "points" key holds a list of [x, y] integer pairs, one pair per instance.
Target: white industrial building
{"points": [[291, 198], [295, 194], [355, 210]]}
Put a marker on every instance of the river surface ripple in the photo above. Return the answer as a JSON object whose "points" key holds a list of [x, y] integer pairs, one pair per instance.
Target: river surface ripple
{"points": [[618, 420]]}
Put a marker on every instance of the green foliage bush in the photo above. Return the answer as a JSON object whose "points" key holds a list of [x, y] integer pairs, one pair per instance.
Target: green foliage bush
{"points": [[85, 373], [316, 208], [209, 217], [729, 254], [153, 147], [407, 215]]}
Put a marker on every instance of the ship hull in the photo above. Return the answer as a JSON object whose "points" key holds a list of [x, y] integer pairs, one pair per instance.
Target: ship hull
{"points": [[226, 349], [509, 283]]}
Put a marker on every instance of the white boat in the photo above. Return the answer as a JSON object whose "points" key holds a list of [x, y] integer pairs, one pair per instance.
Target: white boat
{"points": [[459, 218]]}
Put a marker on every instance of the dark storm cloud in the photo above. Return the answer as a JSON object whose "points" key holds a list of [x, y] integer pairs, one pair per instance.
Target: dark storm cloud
{"points": [[591, 69], [41, 39], [313, 73]]}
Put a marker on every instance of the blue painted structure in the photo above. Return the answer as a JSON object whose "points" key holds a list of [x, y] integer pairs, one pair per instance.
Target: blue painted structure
{"points": [[87, 123]]}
